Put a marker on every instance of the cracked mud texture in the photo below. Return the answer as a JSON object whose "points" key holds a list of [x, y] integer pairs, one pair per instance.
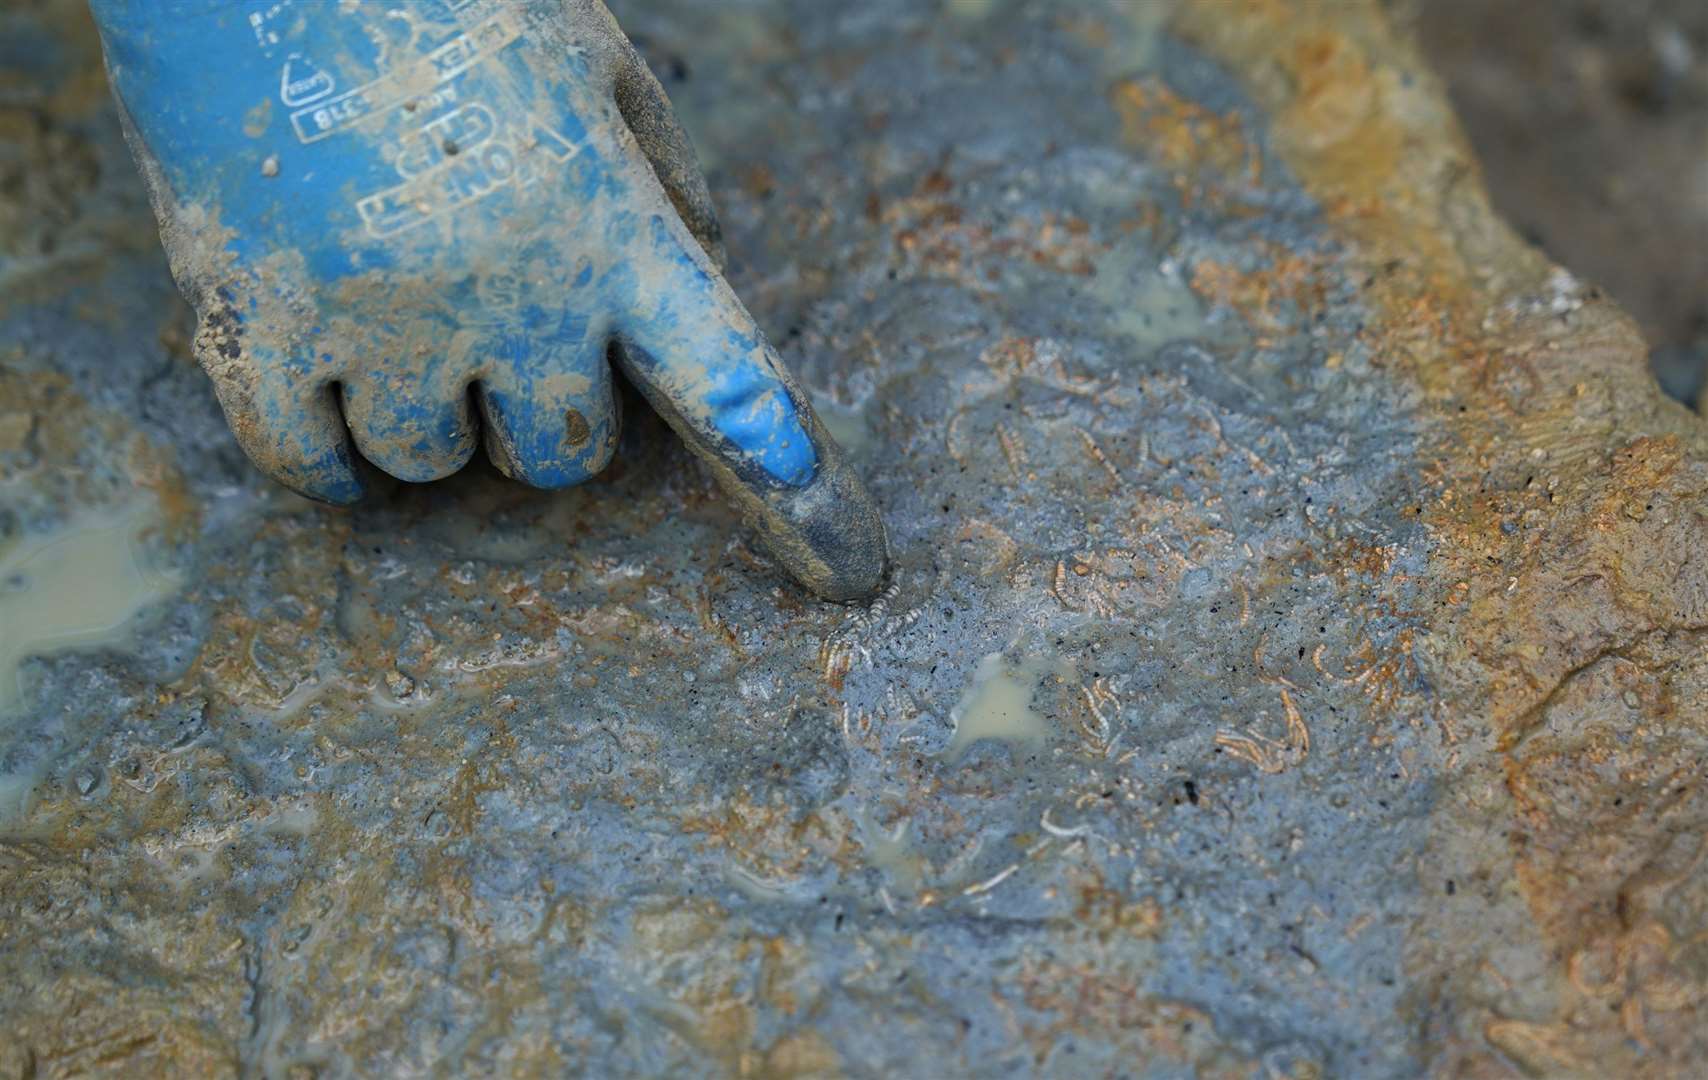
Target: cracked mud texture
{"points": [[1347, 556]]}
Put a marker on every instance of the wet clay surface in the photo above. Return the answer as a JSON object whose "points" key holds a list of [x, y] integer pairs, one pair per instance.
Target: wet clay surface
{"points": [[1293, 666]]}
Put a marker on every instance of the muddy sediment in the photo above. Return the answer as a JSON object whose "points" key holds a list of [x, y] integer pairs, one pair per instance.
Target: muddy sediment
{"points": [[1323, 562]]}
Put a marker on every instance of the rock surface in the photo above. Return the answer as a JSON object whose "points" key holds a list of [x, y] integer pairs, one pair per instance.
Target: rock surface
{"points": [[1591, 120], [1295, 665], [1592, 125]]}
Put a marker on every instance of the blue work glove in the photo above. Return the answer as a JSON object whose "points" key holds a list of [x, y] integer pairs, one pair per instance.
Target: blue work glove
{"points": [[375, 208]]}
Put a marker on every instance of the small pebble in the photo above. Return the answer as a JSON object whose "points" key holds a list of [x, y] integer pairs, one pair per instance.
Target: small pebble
{"points": [[88, 778], [270, 167], [400, 685]]}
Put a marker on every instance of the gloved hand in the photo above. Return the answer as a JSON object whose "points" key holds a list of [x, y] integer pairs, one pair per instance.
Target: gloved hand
{"points": [[377, 207]]}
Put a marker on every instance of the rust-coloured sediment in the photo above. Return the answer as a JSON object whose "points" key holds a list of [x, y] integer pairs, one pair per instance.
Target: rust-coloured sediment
{"points": [[1570, 572]]}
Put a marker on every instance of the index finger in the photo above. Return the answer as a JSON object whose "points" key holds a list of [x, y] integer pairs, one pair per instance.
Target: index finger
{"points": [[692, 349]]}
